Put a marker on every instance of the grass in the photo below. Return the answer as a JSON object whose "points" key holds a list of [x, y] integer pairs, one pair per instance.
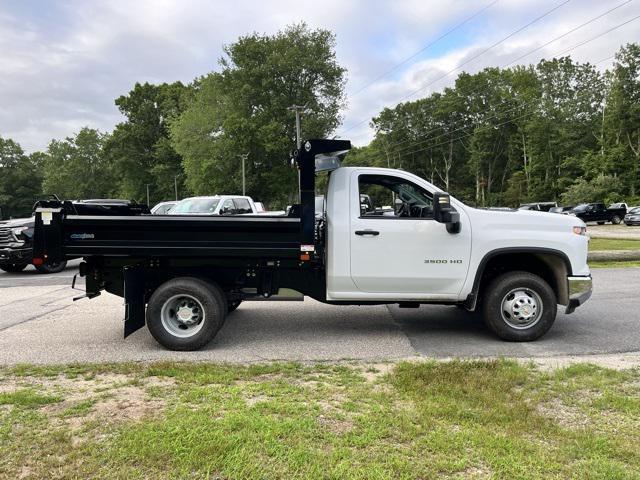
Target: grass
{"points": [[614, 264], [457, 419], [599, 244]]}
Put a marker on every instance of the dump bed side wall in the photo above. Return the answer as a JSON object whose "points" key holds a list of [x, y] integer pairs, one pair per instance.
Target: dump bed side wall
{"points": [[175, 236]]}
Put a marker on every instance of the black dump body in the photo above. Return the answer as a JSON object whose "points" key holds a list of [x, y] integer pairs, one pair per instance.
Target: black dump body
{"points": [[131, 256]]}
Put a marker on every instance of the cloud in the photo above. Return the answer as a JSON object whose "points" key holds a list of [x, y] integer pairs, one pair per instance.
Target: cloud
{"points": [[63, 64]]}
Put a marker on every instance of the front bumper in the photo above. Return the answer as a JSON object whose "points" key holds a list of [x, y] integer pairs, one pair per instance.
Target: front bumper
{"points": [[16, 255], [580, 290]]}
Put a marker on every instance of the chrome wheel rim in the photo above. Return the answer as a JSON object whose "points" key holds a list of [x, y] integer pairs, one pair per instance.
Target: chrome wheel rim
{"points": [[521, 308], [182, 316]]}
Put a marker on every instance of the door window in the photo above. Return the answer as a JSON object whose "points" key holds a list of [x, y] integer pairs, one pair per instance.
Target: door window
{"points": [[228, 208], [242, 205], [385, 196]]}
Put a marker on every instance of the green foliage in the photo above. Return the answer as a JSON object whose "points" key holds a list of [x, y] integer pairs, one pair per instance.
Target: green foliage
{"points": [[140, 148], [20, 180], [558, 131], [244, 109], [77, 168], [603, 188]]}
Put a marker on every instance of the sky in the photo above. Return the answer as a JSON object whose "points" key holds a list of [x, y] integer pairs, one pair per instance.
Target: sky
{"points": [[62, 63]]}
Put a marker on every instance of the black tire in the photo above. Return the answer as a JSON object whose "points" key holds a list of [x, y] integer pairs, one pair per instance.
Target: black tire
{"points": [[13, 267], [232, 305], [207, 296], [531, 286], [51, 267], [616, 220]]}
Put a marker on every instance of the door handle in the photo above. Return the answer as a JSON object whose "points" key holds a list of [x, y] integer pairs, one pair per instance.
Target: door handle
{"points": [[367, 232]]}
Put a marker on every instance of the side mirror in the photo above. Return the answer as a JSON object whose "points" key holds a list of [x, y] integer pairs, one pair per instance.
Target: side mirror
{"points": [[443, 212]]}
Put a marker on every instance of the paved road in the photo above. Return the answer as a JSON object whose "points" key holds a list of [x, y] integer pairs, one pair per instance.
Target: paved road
{"points": [[40, 323]]}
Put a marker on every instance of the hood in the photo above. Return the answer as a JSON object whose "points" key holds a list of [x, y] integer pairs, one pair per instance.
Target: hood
{"points": [[18, 222], [529, 219]]}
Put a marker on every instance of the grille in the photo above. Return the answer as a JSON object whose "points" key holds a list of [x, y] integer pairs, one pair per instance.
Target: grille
{"points": [[5, 235]]}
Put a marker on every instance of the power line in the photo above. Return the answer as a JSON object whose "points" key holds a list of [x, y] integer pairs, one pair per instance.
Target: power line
{"points": [[557, 54], [425, 48], [538, 18]]}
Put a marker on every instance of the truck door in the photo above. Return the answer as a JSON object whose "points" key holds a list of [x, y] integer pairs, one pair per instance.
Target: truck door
{"points": [[396, 245]]}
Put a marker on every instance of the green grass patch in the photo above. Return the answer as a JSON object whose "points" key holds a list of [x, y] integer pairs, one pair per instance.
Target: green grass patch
{"points": [[27, 397], [599, 244], [615, 264], [460, 419]]}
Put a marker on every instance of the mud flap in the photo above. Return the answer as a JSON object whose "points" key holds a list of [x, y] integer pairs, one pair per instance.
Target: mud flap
{"points": [[134, 286]]}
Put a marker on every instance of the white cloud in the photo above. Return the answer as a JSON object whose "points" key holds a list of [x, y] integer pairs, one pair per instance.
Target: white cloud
{"points": [[63, 64]]}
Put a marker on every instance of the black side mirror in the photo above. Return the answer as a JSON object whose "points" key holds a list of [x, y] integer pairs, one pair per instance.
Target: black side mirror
{"points": [[444, 212]]}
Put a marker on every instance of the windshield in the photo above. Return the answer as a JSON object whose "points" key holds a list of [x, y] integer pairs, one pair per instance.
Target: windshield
{"points": [[635, 210], [196, 205], [580, 208]]}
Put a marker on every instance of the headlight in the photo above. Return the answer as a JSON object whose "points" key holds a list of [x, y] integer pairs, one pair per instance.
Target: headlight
{"points": [[580, 230]]}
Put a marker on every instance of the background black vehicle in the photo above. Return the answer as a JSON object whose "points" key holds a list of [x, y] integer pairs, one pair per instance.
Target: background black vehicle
{"points": [[632, 217], [16, 236], [596, 212]]}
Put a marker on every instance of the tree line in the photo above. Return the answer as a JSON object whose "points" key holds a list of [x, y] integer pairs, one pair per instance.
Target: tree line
{"points": [[559, 130]]}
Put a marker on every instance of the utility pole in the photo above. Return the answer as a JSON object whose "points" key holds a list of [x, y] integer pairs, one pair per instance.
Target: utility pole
{"points": [[175, 184], [244, 157], [148, 194]]}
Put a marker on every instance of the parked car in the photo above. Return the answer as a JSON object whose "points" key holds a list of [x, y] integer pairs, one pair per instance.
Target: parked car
{"points": [[563, 210], [632, 217], [16, 236], [215, 205], [596, 212], [538, 206], [163, 208]]}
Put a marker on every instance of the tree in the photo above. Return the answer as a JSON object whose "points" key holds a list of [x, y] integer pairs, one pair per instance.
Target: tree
{"points": [[20, 180], [140, 148], [621, 120], [77, 167], [244, 109]]}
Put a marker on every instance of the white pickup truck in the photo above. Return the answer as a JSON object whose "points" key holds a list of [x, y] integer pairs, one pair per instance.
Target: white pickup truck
{"points": [[423, 247]]}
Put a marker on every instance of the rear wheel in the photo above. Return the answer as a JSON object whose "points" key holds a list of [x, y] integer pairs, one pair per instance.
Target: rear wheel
{"points": [[186, 313], [13, 267], [51, 267], [616, 220], [519, 306]]}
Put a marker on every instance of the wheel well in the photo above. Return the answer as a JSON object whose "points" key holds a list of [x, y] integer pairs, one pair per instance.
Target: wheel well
{"points": [[551, 267]]}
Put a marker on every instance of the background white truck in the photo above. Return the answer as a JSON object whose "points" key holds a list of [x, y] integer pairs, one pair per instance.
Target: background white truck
{"points": [[184, 274]]}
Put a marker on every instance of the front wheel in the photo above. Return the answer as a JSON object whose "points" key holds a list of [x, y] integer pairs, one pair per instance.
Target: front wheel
{"points": [[52, 267], [186, 313], [616, 220], [519, 306]]}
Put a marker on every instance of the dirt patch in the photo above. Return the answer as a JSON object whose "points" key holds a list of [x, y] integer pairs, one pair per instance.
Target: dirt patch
{"points": [[373, 372], [566, 416], [339, 427], [616, 361], [613, 231]]}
